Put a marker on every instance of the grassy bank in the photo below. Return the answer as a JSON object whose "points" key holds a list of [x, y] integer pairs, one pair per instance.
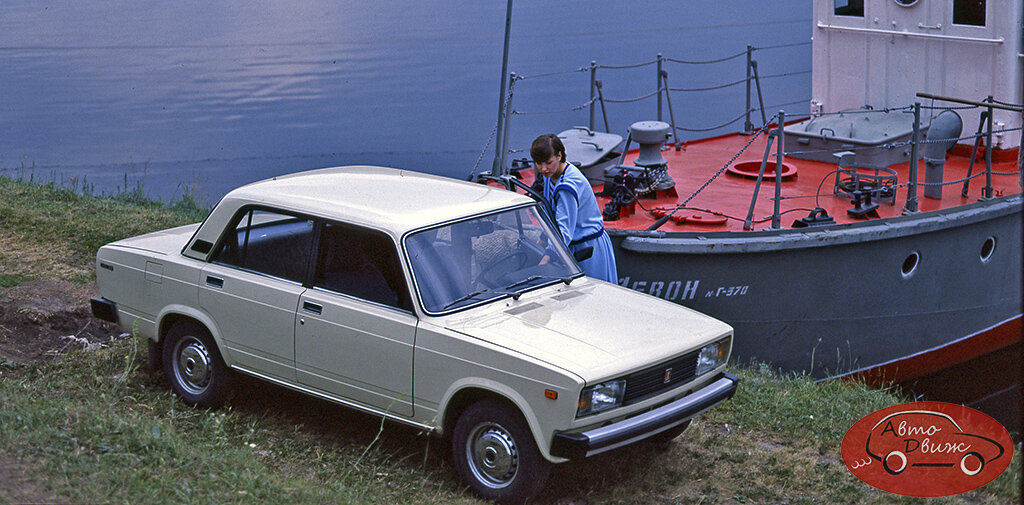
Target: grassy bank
{"points": [[53, 231], [93, 427]]}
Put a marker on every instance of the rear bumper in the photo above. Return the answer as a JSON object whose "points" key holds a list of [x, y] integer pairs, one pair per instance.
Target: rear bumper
{"points": [[103, 309], [632, 429]]}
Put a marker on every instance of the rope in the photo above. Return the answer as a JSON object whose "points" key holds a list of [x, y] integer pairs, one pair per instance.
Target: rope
{"points": [[637, 99], [584, 105], [700, 130], [549, 74], [705, 62], [794, 44], [787, 74], [734, 83], [621, 67], [1008, 104]]}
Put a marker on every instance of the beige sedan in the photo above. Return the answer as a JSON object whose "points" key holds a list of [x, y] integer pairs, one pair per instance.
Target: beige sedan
{"points": [[423, 300]]}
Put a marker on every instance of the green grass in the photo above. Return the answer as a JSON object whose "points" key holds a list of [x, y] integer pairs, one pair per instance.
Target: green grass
{"points": [[52, 230], [98, 430], [94, 428]]}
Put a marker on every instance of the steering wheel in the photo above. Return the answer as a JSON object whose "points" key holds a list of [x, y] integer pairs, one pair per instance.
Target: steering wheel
{"points": [[516, 260]]}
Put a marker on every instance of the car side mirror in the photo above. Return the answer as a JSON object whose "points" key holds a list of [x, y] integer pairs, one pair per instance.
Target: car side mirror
{"points": [[583, 253]]}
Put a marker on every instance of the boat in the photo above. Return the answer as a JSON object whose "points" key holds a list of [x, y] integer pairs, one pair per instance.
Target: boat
{"points": [[879, 238]]}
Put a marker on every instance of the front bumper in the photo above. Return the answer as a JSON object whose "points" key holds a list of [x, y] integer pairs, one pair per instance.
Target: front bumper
{"points": [[632, 429]]}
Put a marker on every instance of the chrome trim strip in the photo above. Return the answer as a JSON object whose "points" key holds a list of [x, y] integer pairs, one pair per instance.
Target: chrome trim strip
{"points": [[337, 399]]}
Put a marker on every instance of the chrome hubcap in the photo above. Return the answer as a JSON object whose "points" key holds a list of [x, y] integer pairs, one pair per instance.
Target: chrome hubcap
{"points": [[192, 367], [492, 454]]}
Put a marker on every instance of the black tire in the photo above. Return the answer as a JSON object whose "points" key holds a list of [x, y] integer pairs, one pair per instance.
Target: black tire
{"points": [[193, 366], [494, 452]]}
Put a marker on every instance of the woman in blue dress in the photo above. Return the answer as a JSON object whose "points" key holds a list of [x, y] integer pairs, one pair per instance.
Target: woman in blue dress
{"points": [[571, 200]]}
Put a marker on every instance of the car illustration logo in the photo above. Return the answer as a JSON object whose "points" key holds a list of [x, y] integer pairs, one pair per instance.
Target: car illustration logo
{"points": [[927, 449], [668, 376]]}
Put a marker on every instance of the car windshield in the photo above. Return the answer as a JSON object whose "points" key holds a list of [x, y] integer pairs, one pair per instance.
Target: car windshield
{"points": [[503, 254]]}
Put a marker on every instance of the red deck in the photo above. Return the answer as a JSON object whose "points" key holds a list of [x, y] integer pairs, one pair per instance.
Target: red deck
{"points": [[812, 186]]}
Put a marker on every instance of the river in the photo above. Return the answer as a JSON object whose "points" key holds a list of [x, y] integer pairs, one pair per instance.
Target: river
{"points": [[201, 97]]}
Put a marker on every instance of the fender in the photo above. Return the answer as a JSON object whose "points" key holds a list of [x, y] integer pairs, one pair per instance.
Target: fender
{"points": [[198, 315], [507, 393]]}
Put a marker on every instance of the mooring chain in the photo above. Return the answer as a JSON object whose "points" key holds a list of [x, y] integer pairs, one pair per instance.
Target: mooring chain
{"points": [[494, 132], [724, 167]]}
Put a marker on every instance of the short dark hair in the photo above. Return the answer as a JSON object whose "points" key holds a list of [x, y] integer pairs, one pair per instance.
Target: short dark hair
{"points": [[546, 146]]}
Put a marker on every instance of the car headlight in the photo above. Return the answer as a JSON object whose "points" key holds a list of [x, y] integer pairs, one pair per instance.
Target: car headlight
{"points": [[711, 356], [601, 397]]}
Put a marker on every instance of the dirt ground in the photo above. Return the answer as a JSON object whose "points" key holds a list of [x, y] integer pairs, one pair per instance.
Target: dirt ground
{"points": [[40, 321]]}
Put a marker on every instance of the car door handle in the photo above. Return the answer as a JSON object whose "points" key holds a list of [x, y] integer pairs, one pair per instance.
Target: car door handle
{"points": [[216, 282], [312, 308]]}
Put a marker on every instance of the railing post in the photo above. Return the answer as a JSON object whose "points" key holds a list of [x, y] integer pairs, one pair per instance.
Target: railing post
{"points": [[747, 126], [776, 215], [604, 112], [659, 86], [593, 90], [986, 192], [671, 113], [911, 206]]}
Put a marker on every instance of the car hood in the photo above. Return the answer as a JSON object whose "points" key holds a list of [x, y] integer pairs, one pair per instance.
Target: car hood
{"points": [[593, 329]]}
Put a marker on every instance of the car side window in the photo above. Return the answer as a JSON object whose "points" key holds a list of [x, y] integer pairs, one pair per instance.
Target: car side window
{"points": [[269, 242], [361, 263]]}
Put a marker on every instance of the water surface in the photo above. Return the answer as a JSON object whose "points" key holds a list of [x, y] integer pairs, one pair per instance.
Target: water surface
{"points": [[205, 96]]}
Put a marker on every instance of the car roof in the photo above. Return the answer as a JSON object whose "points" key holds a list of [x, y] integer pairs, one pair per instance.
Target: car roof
{"points": [[387, 198]]}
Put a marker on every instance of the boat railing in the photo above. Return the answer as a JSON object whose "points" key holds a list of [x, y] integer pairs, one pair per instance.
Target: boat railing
{"points": [[984, 134], [662, 92], [774, 127]]}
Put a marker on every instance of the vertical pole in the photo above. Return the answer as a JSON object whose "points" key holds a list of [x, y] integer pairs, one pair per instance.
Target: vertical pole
{"points": [[498, 167], [593, 91], [504, 134], [776, 216], [659, 86], [987, 190], [747, 126], [671, 113], [911, 206]]}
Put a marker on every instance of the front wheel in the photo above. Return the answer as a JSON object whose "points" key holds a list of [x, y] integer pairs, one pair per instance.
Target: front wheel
{"points": [[496, 455], [193, 366]]}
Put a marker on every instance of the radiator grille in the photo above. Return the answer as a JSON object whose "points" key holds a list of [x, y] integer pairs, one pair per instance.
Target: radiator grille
{"points": [[652, 380]]}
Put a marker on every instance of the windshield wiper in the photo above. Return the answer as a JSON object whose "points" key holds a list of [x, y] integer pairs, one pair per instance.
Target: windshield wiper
{"points": [[532, 278], [515, 296]]}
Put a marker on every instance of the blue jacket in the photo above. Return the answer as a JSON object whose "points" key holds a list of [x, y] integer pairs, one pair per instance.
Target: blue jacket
{"points": [[579, 220]]}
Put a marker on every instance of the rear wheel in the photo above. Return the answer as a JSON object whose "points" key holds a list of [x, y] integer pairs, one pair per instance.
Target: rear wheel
{"points": [[193, 366], [496, 455]]}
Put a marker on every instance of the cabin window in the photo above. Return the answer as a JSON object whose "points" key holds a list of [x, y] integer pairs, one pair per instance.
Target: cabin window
{"points": [[269, 243], [969, 12], [849, 8], [361, 263]]}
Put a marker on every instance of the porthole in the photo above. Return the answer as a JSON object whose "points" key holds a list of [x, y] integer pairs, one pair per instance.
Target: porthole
{"points": [[910, 264], [987, 248], [905, 3]]}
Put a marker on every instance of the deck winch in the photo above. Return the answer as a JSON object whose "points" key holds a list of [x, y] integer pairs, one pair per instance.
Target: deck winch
{"points": [[648, 175]]}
